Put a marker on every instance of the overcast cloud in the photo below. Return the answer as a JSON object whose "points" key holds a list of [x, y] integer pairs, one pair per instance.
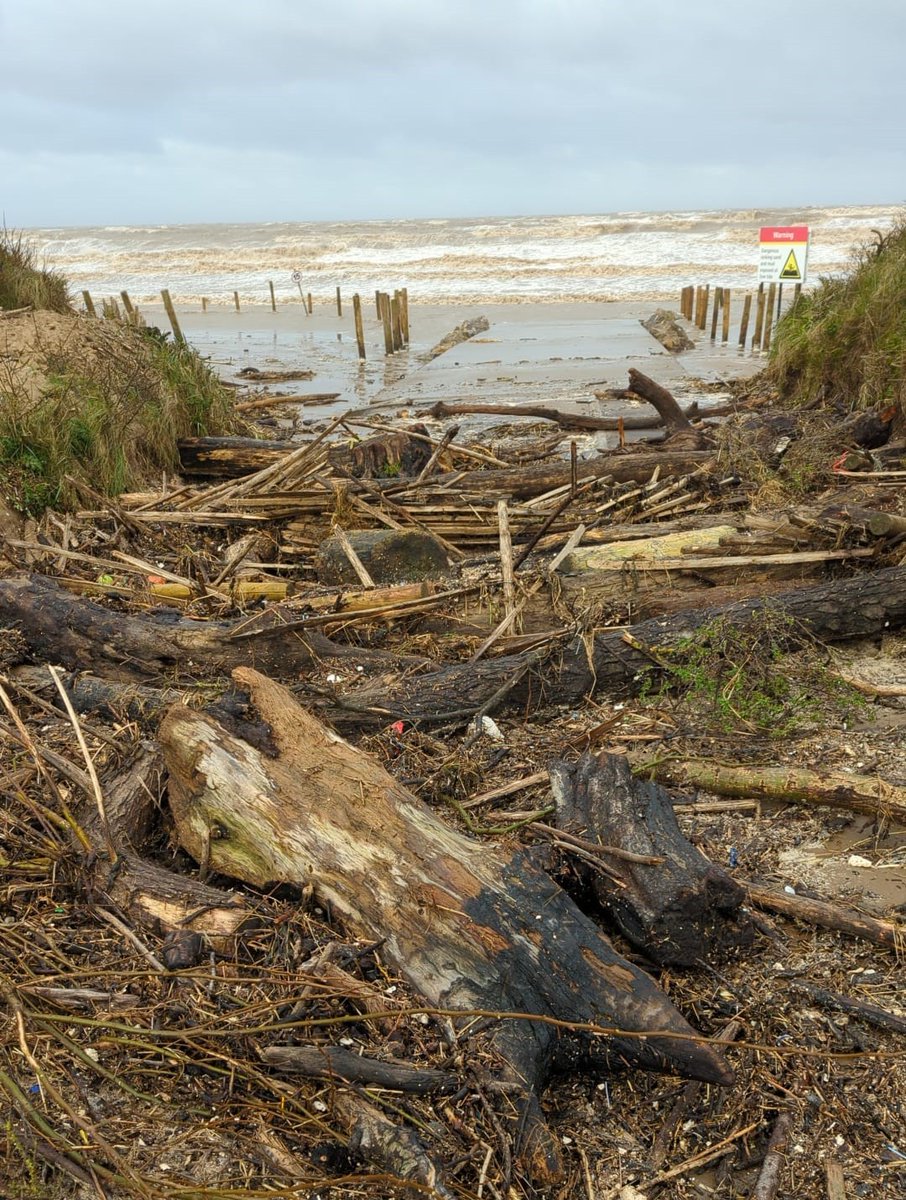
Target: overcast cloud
{"points": [[215, 110]]}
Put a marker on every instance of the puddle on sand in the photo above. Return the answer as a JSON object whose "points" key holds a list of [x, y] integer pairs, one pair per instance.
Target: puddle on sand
{"points": [[825, 866]]}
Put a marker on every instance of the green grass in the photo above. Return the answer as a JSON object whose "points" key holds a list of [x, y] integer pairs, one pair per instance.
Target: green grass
{"points": [[23, 283], [728, 678], [845, 343], [110, 418]]}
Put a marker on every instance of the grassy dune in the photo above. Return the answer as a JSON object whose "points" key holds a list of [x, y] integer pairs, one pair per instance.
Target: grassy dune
{"points": [[845, 343]]}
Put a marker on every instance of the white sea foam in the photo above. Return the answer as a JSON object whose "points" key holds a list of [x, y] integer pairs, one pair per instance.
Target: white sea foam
{"points": [[591, 256]]}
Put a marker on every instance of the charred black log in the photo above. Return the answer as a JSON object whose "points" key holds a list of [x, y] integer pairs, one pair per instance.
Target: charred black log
{"points": [[679, 911]]}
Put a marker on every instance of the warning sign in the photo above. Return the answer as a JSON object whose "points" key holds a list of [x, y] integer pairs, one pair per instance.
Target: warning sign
{"points": [[783, 254]]}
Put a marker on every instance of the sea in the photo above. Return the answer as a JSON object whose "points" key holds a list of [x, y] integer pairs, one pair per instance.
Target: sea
{"points": [[609, 256]]}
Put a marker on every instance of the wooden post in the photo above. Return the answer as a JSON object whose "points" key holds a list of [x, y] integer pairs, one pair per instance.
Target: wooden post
{"points": [[779, 300], [705, 298], [128, 306], [309, 304], [759, 318], [339, 304], [715, 308], [359, 328], [395, 328], [699, 300], [768, 317], [385, 319], [204, 304], [171, 315], [404, 314], [89, 304], [744, 327], [270, 284], [725, 301], [236, 300], [797, 292], [377, 303]]}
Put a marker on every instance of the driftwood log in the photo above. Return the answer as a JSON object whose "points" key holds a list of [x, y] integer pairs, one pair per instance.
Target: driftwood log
{"points": [[680, 909], [472, 927], [578, 422], [81, 635], [834, 789], [673, 417], [618, 662]]}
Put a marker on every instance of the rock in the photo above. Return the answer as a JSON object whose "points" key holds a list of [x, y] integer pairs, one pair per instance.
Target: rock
{"points": [[662, 324], [462, 333], [390, 556]]}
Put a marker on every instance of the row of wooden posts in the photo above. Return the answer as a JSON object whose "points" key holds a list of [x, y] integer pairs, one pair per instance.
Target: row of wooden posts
{"points": [[694, 302], [392, 312]]}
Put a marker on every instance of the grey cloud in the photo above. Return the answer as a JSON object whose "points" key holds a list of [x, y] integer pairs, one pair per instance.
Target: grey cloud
{"points": [[523, 104]]}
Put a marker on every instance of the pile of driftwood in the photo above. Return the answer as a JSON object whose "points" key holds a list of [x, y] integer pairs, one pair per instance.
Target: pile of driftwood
{"points": [[201, 621]]}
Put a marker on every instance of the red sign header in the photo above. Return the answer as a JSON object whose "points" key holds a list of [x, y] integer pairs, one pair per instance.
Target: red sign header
{"points": [[784, 233]]}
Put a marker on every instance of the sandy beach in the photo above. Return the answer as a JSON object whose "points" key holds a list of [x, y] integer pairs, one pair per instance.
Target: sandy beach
{"points": [[551, 353]]}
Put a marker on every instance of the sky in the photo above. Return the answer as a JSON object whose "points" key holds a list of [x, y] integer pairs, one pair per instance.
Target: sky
{"points": [[116, 112]]}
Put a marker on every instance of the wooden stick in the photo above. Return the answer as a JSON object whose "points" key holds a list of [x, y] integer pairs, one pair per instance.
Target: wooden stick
{"points": [[769, 1176], [835, 789], [759, 318], [744, 326], [438, 451], [357, 565], [310, 306], [725, 333], [337, 1063], [236, 300], [836, 1185], [404, 314], [704, 313], [829, 916], [506, 559], [128, 305], [171, 316], [89, 304], [359, 327], [571, 543], [768, 317], [395, 327], [339, 302], [204, 304], [870, 1013], [497, 633], [270, 284], [718, 301], [386, 321]]}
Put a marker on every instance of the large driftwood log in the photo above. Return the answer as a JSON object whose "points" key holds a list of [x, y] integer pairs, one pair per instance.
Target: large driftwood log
{"points": [[82, 635], [470, 926], [619, 662], [679, 911], [579, 422]]}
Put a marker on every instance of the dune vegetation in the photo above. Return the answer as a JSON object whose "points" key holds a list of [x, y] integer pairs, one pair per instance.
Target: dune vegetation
{"points": [[87, 403], [844, 345]]}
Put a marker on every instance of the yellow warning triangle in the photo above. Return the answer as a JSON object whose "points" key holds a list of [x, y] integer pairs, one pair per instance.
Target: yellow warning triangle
{"points": [[790, 267]]}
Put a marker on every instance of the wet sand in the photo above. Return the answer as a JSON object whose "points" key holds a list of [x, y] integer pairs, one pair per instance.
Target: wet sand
{"points": [[552, 353]]}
